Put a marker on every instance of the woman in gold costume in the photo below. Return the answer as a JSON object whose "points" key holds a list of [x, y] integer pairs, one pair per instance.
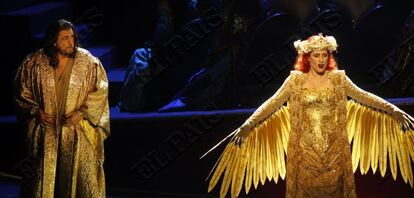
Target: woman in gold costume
{"points": [[325, 135]]}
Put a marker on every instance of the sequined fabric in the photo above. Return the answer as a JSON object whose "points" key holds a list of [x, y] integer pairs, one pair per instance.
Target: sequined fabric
{"points": [[318, 157], [70, 159], [319, 172]]}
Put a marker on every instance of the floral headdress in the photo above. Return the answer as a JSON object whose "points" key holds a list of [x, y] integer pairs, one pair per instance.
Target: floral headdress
{"points": [[314, 43]]}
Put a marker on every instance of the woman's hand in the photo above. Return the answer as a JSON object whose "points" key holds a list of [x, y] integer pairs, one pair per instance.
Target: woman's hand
{"points": [[241, 134], [405, 120]]}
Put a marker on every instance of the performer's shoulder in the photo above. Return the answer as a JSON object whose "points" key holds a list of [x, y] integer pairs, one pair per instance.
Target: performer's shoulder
{"points": [[339, 71], [38, 53], [337, 75], [296, 73], [296, 76], [35, 56], [83, 52], [86, 54]]}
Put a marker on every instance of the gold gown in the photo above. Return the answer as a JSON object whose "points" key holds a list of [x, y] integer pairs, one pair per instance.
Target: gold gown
{"points": [[68, 160], [315, 131]]}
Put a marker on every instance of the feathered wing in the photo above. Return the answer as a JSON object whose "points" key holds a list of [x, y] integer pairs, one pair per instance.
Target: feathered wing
{"points": [[261, 156], [376, 136]]}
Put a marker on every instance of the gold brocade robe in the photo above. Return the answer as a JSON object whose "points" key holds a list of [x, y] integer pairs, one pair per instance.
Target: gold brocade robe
{"points": [[315, 130], [68, 160]]}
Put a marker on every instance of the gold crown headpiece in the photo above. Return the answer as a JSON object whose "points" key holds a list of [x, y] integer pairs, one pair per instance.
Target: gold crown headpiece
{"points": [[314, 43]]}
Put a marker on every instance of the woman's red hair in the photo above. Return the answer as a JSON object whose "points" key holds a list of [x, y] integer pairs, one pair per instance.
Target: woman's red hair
{"points": [[302, 63]]}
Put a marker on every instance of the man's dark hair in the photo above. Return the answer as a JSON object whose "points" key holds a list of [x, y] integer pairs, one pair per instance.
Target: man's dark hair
{"points": [[51, 36]]}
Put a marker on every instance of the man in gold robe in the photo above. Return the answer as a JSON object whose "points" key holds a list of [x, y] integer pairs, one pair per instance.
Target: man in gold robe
{"points": [[62, 99]]}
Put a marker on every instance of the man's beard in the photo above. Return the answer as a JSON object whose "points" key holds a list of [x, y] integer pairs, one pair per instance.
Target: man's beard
{"points": [[67, 51]]}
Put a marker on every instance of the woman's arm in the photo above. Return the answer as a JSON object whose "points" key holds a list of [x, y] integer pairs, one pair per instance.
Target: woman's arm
{"points": [[367, 98], [265, 110], [376, 102], [271, 104]]}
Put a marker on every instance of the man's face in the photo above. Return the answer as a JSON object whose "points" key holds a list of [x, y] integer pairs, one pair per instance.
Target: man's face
{"points": [[65, 43], [318, 61]]}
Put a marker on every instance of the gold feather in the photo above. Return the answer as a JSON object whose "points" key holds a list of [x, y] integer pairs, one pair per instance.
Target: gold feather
{"points": [[270, 153], [356, 140], [256, 162], [275, 146], [351, 113], [238, 175], [229, 170], [364, 143], [402, 159], [375, 143], [249, 171], [221, 167], [262, 166], [391, 149]]}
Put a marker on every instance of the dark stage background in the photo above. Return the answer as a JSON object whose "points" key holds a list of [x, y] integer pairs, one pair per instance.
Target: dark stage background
{"points": [[185, 73]]}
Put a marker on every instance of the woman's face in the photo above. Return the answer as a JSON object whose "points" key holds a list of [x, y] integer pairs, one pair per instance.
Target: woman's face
{"points": [[318, 60]]}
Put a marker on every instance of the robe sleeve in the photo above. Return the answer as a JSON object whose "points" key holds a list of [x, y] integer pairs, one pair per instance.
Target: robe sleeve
{"points": [[271, 105], [96, 107], [24, 82], [367, 98]]}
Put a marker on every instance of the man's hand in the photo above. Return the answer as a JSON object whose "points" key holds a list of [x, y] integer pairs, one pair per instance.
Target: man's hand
{"points": [[72, 118], [46, 119]]}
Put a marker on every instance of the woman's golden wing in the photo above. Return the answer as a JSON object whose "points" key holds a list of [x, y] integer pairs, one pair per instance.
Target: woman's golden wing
{"points": [[376, 139], [260, 157]]}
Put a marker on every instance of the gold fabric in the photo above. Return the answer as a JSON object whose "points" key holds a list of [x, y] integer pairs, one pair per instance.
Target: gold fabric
{"points": [[70, 159], [375, 137], [61, 90], [315, 130]]}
